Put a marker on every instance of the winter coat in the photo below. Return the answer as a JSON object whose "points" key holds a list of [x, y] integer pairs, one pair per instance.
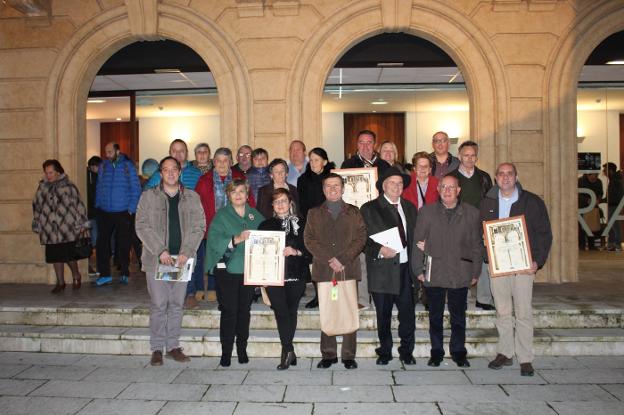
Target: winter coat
{"points": [[384, 274], [431, 194], [91, 188], [295, 267], [118, 188], [356, 162], [152, 225], [455, 247], [342, 238], [188, 177], [310, 188], [535, 214], [58, 213]]}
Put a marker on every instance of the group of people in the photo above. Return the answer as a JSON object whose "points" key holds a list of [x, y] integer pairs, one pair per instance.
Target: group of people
{"points": [[205, 210]]}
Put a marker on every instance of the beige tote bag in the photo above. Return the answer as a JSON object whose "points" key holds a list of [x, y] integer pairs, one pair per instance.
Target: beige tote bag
{"points": [[338, 306]]}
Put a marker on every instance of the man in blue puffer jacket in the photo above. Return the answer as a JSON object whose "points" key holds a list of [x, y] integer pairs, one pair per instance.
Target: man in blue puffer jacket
{"points": [[116, 196]]}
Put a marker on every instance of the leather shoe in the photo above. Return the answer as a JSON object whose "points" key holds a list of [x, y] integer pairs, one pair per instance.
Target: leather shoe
{"points": [[383, 360], [407, 359], [486, 307], [191, 303], [242, 356], [435, 361], [178, 355], [287, 360], [499, 361], [326, 363], [77, 283], [349, 364], [58, 288], [225, 361], [313, 303], [156, 359], [461, 362], [526, 369]]}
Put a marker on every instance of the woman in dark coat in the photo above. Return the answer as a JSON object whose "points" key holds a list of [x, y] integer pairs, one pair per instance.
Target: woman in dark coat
{"points": [[59, 217], [285, 300], [278, 170], [310, 190]]}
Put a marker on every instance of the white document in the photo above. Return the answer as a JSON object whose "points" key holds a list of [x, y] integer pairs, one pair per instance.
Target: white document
{"points": [[428, 260], [389, 238], [176, 273]]}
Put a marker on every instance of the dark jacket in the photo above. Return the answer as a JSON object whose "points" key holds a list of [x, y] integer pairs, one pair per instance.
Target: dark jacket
{"points": [[484, 179], [452, 161], [310, 189], [343, 238], [356, 162], [295, 267], [265, 199], [596, 187], [615, 189], [535, 214], [118, 188], [58, 213], [91, 188], [455, 247], [383, 274]]}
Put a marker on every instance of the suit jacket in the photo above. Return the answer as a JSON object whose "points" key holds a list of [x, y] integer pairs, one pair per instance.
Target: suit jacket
{"points": [[343, 238], [455, 246], [384, 274]]}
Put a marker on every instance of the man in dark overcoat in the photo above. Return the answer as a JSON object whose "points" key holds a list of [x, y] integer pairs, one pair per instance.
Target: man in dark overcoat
{"points": [[389, 278]]}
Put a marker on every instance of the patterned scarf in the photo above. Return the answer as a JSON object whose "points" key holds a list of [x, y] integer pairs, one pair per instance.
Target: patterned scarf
{"points": [[290, 221], [219, 188]]}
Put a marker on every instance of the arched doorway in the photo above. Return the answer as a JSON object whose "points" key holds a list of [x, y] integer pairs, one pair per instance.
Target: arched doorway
{"points": [[590, 28], [98, 40]]}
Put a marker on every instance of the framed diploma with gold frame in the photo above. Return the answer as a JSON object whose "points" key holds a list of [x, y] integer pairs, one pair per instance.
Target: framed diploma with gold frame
{"points": [[359, 185], [508, 247], [264, 258]]}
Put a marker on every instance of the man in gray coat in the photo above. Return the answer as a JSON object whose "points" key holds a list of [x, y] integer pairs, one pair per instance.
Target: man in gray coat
{"points": [[452, 262], [170, 221], [389, 278]]}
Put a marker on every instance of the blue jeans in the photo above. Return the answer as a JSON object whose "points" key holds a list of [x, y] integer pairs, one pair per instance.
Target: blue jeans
{"points": [[197, 279], [94, 231], [457, 298], [615, 239]]}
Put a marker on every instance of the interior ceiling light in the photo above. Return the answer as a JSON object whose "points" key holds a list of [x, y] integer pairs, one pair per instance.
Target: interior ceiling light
{"points": [[453, 78], [616, 62], [96, 101], [167, 70], [390, 64], [118, 119], [379, 102]]}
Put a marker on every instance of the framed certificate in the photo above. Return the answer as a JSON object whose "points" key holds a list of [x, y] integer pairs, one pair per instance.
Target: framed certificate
{"points": [[508, 247], [359, 185], [264, 258]]}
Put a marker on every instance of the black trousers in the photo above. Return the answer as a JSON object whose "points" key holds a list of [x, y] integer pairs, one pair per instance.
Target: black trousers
{"points": [[121, 223], [407, 317], [235, 300], [457, 298], [285, 302]]}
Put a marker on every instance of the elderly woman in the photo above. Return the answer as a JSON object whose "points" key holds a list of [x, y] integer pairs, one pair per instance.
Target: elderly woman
{"points": [[278, 170], [390, 153], [211, 189], [285, 300], [310, 190], [423, 188], [225, 253], [59, 217]]}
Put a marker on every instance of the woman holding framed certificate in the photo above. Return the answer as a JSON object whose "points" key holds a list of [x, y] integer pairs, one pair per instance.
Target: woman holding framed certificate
{"points": [[285, 299], [225, 253]]}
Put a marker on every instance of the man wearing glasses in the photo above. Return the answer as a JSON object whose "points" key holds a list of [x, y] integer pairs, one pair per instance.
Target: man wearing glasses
{"points": [[243, 159], [452, 262], [442, 162]]}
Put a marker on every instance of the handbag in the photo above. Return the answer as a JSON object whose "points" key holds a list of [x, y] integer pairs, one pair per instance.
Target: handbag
{"points": [[592, 218], [338, 306], [83, 247]]}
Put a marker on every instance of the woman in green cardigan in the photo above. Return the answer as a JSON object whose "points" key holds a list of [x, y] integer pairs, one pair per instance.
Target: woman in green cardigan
{"points": [[225, 252]]}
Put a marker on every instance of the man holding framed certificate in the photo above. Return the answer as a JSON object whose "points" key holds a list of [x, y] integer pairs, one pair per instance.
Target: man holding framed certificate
{"points": [[513, 290]]}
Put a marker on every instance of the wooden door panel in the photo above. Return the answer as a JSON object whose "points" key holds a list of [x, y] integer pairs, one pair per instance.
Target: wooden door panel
{"points": [[122, 134]]}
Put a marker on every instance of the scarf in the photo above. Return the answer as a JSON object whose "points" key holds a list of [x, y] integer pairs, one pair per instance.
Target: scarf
{"points": [[290, 222], [219, 189], [368, 163]]}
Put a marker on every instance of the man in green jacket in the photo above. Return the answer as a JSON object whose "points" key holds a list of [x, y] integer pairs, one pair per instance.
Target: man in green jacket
{"points": [[181, 213]]}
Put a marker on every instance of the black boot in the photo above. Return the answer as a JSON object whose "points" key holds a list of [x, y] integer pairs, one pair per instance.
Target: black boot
{"points": [[287, 359], [226, 356], [242, 354]]}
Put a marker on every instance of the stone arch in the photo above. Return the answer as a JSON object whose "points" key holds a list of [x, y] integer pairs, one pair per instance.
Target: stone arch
{"points": [[93, 43], [439, 23], [590, 27]]}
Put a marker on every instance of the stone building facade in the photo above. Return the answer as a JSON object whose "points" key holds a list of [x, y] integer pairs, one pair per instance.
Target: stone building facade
{"points": [[521, 60]]}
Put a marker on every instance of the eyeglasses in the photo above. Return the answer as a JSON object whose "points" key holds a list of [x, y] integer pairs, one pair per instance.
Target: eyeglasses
{"points": [[246, 155], [281, 202], [448, 187]]}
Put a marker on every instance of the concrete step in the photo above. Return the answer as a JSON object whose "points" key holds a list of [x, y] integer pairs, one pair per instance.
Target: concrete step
{"points": [[262, 318], [265, 343]]}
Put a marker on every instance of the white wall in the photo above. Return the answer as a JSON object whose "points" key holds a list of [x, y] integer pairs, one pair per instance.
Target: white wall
{"points": [[419, 127], [601, 130], [93, 138]]}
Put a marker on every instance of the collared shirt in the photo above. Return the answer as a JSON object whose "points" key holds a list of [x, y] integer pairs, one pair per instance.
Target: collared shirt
{"points": [[442, 168], [403, 253], [504, 203], [294, 173]]}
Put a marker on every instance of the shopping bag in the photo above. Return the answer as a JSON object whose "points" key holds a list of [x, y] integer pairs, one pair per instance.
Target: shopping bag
{"points": [[592, 218], [338, 306]]}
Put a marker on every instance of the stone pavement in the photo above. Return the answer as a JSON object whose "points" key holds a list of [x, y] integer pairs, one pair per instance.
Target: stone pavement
{"points": [[44, 383]]}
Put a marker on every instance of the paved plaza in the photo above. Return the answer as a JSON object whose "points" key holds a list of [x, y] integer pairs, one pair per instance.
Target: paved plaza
{"points": [[51, 384]]}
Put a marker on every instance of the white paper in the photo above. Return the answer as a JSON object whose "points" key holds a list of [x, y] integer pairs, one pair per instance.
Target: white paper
{"points": [[428, 261], [389, 238], [176, 273]]}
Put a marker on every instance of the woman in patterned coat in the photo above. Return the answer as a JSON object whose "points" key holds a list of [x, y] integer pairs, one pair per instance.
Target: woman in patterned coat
{"points": [[59, 217]]}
